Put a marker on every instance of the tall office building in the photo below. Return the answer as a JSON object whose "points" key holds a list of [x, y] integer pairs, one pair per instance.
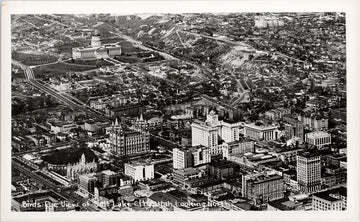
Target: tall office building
{"points": [[128, 141], [190, 156], [309, 171]]}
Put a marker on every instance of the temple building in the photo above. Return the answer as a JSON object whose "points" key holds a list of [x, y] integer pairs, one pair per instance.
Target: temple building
{"points": [[96, 50], [128, 141]]}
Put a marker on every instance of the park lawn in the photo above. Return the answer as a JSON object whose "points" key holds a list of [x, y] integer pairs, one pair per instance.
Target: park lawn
{"points": [[59, 69], [90, 62]]}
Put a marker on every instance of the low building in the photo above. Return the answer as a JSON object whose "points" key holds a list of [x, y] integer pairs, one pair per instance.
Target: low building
{"points": [[260, 132], [180, 176], [335, 199], [318, 139], [44, 200], [289, 205], [153, 184]]}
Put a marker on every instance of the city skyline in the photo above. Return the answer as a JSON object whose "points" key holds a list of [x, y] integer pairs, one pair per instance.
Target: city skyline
{"points": [[206, 112]]}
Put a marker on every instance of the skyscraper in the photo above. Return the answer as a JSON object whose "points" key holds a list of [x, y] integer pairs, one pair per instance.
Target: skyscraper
{"points": [[309, 171]]}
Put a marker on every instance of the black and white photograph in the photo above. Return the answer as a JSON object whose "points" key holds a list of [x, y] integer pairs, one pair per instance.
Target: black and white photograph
{"points": [[167, 112]]}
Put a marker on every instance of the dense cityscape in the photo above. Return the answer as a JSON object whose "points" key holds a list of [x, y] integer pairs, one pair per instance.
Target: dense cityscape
{"points": [[179, 112]]}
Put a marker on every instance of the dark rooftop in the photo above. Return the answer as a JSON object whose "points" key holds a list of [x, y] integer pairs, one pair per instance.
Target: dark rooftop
{"points": [[328, 195]]}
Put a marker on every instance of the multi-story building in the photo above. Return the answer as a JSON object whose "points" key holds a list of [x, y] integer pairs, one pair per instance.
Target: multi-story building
{"points": [[294, 130], [229, 131], [263, 187], [309, 171], [180, 176], [222, 169], [128, 141], [203, 134], [139, 171], [182, 158], [275, 114], [335, 199], [105, 178], [109, 178], [289, 155], [238, 147], [318, 139], [190, 156], [210, 132], [261, 132], [314, 121], [87, 182]]}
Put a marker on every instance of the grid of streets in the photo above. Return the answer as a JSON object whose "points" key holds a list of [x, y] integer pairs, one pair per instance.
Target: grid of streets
{"points": [[168, 112]]}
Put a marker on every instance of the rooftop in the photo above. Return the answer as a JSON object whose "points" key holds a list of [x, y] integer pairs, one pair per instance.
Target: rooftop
{"points": [[330, 195], [318, 134], [260, 127]]}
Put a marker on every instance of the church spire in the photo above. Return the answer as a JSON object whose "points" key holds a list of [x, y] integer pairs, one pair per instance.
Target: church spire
{"points": [[83, 159], [116, 122], [141, 117]]}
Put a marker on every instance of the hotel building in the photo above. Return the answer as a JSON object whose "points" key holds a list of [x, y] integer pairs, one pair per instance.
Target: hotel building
{"points": [[212, 131]]}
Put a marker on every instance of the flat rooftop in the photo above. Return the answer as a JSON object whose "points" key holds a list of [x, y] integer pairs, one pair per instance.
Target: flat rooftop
{"points": [[260, 127]]}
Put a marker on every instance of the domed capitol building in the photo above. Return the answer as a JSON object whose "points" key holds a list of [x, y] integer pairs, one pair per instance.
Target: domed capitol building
{"points": [[96, 50]]}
